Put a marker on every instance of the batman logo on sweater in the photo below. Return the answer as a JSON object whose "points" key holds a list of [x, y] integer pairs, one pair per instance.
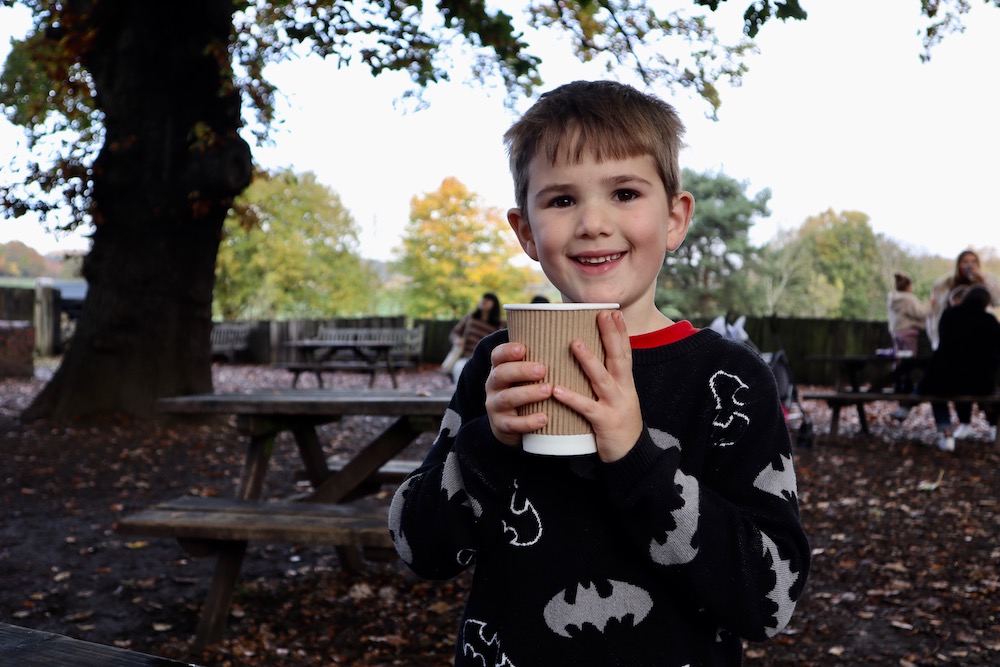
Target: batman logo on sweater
{"points": [[730, 414], [595, 605], [523, 526], [483, 645]]}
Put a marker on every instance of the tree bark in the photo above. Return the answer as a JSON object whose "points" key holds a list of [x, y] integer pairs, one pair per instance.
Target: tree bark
{"points": [[171, 163]]}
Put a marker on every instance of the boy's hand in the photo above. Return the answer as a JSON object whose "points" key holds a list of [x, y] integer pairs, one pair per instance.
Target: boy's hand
{"points": [[505, 393], [615, 414]]}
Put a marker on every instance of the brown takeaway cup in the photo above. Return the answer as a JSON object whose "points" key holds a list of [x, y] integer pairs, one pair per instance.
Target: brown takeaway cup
{"points": [[546, 330]]}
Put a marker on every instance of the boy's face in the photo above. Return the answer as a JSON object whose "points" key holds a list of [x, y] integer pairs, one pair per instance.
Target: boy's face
{"points": [[600, 231]]}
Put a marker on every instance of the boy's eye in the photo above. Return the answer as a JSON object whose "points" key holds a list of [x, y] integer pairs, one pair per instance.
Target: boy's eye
{"points": [[561, 201], [625, 195]]}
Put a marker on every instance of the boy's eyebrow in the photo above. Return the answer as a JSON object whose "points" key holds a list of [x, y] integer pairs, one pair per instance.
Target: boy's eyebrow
{"points": [[627, 178], [552, 188], [619, 179]]}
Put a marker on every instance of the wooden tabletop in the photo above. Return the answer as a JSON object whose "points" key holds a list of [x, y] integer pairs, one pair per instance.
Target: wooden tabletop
{"points": [[314, 402], [25, 647]]}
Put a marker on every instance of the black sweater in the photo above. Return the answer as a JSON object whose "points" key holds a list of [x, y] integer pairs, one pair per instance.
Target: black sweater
{"points": [[667, 557]]}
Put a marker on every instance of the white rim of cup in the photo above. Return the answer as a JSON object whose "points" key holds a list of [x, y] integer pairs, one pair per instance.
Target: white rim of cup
{"points": [[561, 306]]}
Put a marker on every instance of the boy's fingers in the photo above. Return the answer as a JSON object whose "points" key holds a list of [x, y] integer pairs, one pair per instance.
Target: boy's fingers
{"points": [[506, 352], [614, 335]]}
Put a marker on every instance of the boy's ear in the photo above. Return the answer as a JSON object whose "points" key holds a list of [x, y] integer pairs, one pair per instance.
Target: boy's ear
{"points": [[519, 223], [681, 210]]}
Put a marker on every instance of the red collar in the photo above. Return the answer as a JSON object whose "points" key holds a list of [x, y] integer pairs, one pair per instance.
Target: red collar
{"points": [[675, 332]]}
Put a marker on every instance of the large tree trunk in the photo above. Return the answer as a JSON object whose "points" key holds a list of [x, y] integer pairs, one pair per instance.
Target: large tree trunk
{"points": [[171, 163]]}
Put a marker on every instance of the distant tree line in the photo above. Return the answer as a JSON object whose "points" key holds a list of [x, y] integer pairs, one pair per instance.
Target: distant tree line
{"points": [[290, 251], [18, 260]]}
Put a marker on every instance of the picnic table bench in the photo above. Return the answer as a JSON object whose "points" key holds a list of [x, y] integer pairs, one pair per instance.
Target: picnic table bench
{"points": [[838, 399], [358, 350], [25, 647], [223, 526], [229, 339]]}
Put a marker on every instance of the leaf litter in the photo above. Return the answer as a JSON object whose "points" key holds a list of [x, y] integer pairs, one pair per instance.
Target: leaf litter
{"points": [[903, 539]]}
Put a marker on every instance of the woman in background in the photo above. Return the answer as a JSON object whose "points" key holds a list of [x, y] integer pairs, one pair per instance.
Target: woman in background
{"points": [[470, 330], [968, 272], [966, 362]]}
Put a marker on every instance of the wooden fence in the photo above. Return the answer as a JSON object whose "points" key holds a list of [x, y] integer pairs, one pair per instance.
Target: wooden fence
{"points": [[799, 338], [802, 338]]}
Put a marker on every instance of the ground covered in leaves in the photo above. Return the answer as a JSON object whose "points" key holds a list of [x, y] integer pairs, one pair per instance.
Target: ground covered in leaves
{"points": [[906, 556]]}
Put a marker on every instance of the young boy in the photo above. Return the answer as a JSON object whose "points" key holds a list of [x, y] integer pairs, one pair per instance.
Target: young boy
{"points": [[681, 536]]}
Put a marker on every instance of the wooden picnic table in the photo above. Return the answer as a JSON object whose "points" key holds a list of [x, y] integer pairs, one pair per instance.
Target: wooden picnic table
{"points": [[317, 355], [851, 368], [26, 647], [224, 525]]}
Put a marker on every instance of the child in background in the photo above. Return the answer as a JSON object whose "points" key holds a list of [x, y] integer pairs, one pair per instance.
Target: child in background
{"points": [[907, 318], [907, 315], [681, 536]]}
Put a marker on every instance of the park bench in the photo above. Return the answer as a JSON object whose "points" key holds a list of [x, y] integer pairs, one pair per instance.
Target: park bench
{"points": [[229, 339], [407, 342], [210, 520], [26, 647], [358, 350], [837, 400]]}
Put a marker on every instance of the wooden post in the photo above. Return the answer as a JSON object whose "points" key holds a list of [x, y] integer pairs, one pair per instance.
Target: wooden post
{"points": [[47, 317]]}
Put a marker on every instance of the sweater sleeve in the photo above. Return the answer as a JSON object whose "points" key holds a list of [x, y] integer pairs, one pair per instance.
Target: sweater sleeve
{"points": [[439, 514], [722, 526]]}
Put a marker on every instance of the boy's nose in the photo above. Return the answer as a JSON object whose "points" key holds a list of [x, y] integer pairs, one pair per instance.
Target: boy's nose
{"points": [[593, 222]]}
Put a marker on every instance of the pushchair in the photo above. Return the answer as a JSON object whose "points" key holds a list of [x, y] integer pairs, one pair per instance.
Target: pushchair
{"points": [[788, 393]]}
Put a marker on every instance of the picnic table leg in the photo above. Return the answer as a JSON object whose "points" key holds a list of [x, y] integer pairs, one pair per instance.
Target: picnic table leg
{"points": [[835, 419], [350, 482], [391, 369], [215, 611], [311, 451], [862, 417], [342, 485], [229, 557], [256, 461]]}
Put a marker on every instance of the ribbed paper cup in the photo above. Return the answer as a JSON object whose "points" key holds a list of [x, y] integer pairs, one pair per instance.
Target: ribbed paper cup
{"points": [[546, 330]]}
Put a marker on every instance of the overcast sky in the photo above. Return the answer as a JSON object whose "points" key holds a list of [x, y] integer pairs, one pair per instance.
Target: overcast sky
{"points": [[836, 112]]}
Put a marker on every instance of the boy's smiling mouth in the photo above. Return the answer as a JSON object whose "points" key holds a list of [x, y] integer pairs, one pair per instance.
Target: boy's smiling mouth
{"points": [[600, 259]]}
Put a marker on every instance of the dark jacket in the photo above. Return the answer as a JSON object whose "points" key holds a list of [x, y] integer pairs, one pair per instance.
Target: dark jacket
{"points": [[968, 357]]}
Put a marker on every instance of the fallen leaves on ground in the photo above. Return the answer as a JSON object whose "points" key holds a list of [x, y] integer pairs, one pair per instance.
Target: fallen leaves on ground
{"points": [[904, 539]]}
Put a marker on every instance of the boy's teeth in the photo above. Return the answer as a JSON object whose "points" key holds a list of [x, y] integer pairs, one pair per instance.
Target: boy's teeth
{"points": [[599, 260]]}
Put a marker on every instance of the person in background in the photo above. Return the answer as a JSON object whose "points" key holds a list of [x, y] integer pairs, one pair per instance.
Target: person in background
{"points": [[968, 272], [680, 538], [472, 328], [966, 361], [907, 315], [907, 318]]}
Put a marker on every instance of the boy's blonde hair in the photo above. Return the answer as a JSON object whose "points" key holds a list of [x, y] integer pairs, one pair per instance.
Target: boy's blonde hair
{"points": [[607, 119]]}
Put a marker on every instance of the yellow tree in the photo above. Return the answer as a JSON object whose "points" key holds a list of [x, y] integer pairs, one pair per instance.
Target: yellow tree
{"points": [[454, 249]]}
